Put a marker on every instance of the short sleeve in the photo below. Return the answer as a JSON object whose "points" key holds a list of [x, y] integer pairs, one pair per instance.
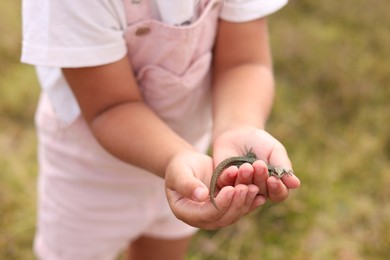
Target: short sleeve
{"points": [[247, 10], [73, 33]]}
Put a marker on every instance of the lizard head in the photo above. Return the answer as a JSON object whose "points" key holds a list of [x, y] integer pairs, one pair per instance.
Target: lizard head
{"points": [[279, 172]]}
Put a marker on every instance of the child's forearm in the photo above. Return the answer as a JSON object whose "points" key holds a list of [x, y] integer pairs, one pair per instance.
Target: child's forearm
{"points": [[113, 107], [243, 96], [243, 78], [134, 134]]}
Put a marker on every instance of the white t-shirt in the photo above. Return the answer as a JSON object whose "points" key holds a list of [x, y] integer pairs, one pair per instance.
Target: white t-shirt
{"points": [[76, 33]]}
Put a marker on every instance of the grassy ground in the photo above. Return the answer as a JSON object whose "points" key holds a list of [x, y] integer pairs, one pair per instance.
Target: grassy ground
{"points": [[331, 112]]}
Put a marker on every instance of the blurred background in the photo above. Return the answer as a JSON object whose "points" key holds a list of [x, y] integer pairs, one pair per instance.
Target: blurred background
{"points": [[331, 61]]}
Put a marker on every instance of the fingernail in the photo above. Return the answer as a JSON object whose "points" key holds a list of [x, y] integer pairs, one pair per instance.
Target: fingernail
{"points": [[200, 193], [273, 185], [230, 194], [260, 200]]}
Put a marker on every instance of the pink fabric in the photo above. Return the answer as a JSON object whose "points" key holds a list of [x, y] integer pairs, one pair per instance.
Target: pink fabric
{"points": [[91, 205], [172, 66]]}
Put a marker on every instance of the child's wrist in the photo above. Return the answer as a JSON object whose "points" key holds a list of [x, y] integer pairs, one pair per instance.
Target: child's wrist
{"points": [[224, 130]]}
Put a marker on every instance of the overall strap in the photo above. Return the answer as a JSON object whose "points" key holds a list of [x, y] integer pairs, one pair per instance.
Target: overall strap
{"points": [[138, 10]]}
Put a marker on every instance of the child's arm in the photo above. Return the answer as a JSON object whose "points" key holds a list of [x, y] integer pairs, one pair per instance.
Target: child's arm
{"points": [[243, 77], [113, 107], [243, 96]]}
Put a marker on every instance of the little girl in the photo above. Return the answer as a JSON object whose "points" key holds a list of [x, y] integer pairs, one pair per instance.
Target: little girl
{"points": [[133, 94]]}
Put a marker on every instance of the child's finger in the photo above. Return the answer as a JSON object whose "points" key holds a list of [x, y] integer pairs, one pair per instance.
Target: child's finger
{"points": [[234, 210], [188, 185], [291, 181], [245, 174], [260, 177], [277, 191], [228, 177], [253, 192]]}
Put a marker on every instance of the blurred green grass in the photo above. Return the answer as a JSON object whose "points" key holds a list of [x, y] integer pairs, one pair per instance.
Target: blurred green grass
{"points": [[18, 96], [331, 111]]}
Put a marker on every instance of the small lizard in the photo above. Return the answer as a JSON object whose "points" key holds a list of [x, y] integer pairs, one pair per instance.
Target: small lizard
{"points": [[250, 157]]}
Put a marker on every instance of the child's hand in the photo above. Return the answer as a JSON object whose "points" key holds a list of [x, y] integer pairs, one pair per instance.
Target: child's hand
{"points": [[188, 195], [237, 142]]}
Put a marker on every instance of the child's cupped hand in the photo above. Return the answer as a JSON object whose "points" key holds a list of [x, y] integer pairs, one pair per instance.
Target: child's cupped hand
{"points": [[238, 142], [240, 190], [187, 178]]}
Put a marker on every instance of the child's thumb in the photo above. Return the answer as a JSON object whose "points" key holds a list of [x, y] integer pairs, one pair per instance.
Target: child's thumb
{"points": [[200, 193], [191, 187]]}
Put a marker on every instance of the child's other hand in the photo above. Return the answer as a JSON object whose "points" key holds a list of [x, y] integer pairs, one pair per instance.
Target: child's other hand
{"points": [[188, 195], [237, 142]]}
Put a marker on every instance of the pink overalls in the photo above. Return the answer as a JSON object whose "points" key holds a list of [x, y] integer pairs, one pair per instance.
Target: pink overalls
{"points": [[91, 205]]}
